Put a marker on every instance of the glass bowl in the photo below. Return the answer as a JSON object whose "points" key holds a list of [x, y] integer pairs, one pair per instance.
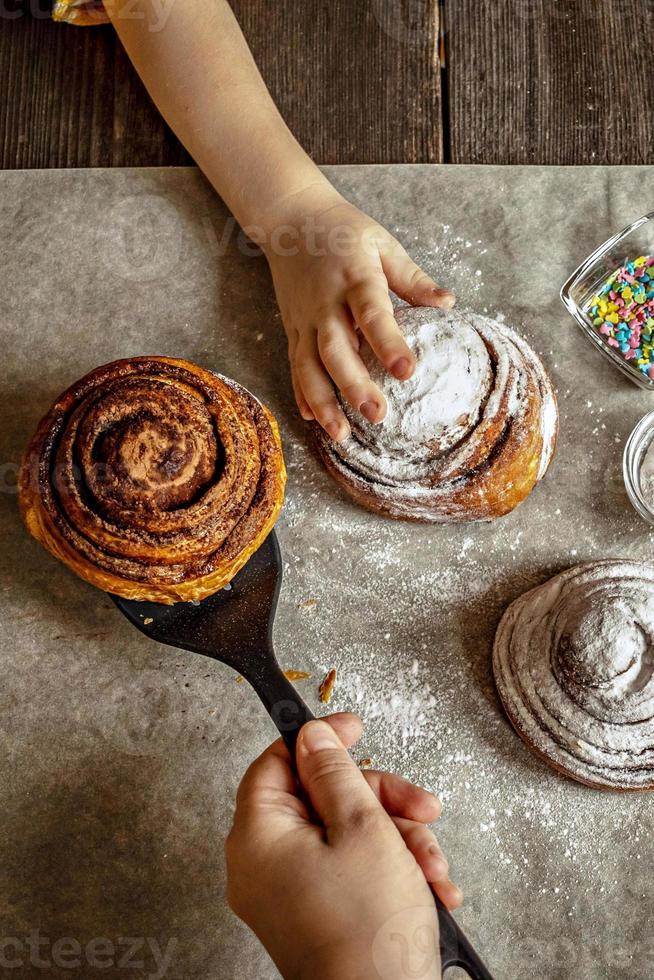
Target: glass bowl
{"points": [[590, 276], [635, 452]]}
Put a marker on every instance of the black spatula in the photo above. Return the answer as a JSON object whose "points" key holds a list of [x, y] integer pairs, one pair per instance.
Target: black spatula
{"points": [[234, 626]]}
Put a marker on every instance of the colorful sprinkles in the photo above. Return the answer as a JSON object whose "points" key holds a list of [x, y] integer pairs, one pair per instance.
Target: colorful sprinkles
{"points": [[623, 313]]}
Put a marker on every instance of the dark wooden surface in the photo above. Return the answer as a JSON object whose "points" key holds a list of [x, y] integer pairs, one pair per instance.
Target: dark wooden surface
{"points": [[359, 81], [70, 98], [550, 81], [355, 79]]}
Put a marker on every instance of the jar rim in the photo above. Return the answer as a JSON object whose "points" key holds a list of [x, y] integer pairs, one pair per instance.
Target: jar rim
{"points": [[636, 446]]}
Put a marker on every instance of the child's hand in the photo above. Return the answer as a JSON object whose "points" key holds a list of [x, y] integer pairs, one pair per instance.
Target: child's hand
{"points": [[329, 900], [332, 264], [332, 267]]}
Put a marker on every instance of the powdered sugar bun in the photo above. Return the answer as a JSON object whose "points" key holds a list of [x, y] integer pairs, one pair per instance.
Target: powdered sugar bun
{"points": [[574, 666], [465, 438]]}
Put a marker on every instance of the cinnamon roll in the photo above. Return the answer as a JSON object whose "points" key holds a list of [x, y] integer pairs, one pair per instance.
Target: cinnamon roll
{"points": [[574, 666], [466, 438], [153, 479]]}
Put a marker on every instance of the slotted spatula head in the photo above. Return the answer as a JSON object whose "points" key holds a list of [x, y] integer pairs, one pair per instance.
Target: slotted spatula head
{"points": [[234, 625]]}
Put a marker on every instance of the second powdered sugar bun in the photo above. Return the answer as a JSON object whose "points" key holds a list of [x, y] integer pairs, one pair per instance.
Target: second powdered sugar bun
{"points": [[466, 438]]}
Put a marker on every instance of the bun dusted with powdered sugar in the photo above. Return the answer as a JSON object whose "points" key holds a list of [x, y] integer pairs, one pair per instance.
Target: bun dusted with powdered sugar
{"points": [[574, 666], [466, 438]]}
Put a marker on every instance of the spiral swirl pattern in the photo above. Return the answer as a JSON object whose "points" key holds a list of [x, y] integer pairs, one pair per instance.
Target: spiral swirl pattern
{"points": [[465, 439], [574, 666], [153, 478]]}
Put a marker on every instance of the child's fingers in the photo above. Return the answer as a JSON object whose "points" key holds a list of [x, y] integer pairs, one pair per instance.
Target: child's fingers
{"points": [[422, 843], [302, 403], [412, 284], [348, 370], [372, 310], [402, 798], [316, 387]]}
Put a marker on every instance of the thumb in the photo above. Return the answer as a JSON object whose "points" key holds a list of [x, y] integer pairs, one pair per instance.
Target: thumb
{"points": [[338, 791]]}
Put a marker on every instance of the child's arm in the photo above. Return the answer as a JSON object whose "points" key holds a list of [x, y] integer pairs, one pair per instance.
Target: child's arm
{"points": [[332, 265], [346, 897]]}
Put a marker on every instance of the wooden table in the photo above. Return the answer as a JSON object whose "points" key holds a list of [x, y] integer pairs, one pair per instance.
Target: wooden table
{"points": [[359, 81]]}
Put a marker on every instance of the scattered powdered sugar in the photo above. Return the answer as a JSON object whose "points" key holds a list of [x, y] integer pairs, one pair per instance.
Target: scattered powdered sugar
{"points": [[407, 613], [450, 259], [429, 717], [405, 709]]}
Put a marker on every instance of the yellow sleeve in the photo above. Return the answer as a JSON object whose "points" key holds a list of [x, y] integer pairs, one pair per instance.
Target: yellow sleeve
{"points": [[84, 13]]}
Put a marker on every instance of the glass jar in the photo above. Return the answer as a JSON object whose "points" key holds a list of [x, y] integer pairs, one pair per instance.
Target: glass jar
{"points": [[587, 280]]}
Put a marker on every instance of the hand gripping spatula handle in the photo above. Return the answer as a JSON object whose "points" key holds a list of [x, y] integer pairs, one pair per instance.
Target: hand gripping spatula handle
{"points": [[234, 626]]}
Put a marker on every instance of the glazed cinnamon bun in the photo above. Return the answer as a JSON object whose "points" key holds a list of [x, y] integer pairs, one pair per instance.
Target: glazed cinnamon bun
{"points": [[574, 666], [466, 438], [153, 479]]}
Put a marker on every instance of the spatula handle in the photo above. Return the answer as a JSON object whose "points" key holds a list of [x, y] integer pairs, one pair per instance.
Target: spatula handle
{"points": [[289, 712], [456, 949], [283, 703]]}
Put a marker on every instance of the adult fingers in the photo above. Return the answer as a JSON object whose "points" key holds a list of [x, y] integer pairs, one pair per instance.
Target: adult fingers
{"points": [[402, 798], [422, 843], [338, 791], [272, 772]]}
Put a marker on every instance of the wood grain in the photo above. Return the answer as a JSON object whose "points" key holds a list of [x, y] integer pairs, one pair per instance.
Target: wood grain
{"points": [[71, 99], [358, 82], [550, 81]]}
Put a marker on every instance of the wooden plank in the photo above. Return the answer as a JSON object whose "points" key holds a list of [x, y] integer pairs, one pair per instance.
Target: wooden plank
{"points": [[358, 82], [70, 100], [550, 81]]}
